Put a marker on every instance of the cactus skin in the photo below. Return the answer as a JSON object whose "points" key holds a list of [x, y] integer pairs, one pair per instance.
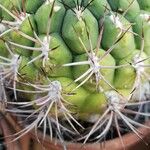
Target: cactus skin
{"points": [[129, 71], [77, 27], [80, 94], [144, 5], [123, 5], [32, 6], [26, 28], [42, 20], [75, 60], [10, 5], [98, 8], [142, 21], [53, 65], [94, 100], [108, 74], [126, 44], [3, 50]]}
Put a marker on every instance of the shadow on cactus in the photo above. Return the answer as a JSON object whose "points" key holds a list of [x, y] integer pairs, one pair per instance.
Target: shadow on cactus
{"points": [[76, 69]]}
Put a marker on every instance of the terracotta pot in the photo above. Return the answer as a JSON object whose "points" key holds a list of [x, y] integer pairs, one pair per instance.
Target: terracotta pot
{"points": [[9, 125], [131, 142]]}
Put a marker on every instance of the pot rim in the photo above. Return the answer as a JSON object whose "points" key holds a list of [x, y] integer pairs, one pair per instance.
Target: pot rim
{"points": [[130, 140]]}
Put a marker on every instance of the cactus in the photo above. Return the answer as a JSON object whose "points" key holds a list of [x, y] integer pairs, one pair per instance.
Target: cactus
{"points": [[73, 61]]}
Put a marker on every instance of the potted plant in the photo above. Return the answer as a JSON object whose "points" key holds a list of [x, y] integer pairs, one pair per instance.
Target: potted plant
{"points": [[76, 70]]}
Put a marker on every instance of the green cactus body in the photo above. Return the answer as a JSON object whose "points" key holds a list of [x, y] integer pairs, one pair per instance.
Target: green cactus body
{"points": [[43, 14], [69, 61], [131, 71], [0, 13], [78, 26], [97, 102], [71, 4], [77, 97], [115, 26], [142, 29], [27, 27], [27, 71], [53, 59], [3, 50], [108, 74], [98, 8], [144, 4], [130, 8], [11, 6], [32, 6]]}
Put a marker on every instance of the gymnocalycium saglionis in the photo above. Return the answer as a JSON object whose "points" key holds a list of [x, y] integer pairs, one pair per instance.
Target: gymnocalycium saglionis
{"points": [[72, 61]]}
